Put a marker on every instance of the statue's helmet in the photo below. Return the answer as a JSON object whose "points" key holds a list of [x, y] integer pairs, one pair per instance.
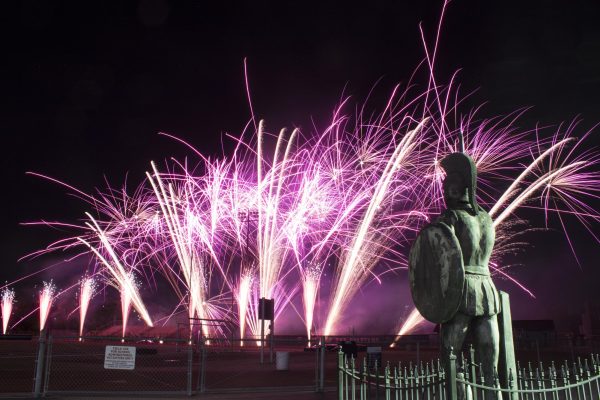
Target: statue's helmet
{"points": [[461, 165]]}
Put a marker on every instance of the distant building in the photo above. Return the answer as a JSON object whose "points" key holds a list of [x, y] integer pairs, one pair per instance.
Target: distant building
{"points": [[541, 331], [590, 321]]}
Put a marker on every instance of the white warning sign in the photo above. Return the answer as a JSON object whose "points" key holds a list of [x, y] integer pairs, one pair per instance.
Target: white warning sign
{"points": [[119, 357]]}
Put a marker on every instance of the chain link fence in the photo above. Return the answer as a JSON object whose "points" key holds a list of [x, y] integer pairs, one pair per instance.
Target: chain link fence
{"points": [[70, 365], [139, 367], [234, 366], [18, 360]]}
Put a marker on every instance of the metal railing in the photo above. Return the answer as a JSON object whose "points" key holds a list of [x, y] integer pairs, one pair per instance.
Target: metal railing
{"points": [[423, 381], [464, 381], [579, 380]]}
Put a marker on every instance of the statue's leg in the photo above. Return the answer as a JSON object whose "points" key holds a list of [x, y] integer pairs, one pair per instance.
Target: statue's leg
{"points": [[487, 348], [452, 334]]}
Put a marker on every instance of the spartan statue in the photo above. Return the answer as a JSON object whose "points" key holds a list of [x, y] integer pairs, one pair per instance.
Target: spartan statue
{"points": [[448, 268]]}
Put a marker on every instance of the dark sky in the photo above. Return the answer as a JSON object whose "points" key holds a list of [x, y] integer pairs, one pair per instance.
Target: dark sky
{"points": [[88, 84]]}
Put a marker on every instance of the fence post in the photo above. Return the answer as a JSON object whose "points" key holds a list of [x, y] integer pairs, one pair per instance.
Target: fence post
{"points": [[340, 375], [387, 382], [262, 330], [322, 366], [316, 368], [376, 381], [203, 368], [47, 366], [364, 382], [39, 367], [451, 377], [473, 375], [272, 339], [190, 369]]}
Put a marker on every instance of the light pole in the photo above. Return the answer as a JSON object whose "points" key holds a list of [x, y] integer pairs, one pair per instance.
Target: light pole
{"points": [[247, 217]]}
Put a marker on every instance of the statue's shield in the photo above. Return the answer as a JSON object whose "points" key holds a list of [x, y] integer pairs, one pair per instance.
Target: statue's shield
{"points": [[436, 271]]}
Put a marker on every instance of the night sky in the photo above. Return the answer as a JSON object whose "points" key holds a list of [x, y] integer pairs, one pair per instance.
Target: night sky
{"points": [[88, 84]]}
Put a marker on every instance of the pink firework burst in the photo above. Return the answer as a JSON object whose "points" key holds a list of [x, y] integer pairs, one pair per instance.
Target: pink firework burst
{"points": [[311, 277], [285, 209], [242, 295], [87, 287], [7, 297], [46, 299]]}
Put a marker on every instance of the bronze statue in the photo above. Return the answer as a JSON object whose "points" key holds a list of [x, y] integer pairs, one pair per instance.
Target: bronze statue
{"points": [[449, 273]]}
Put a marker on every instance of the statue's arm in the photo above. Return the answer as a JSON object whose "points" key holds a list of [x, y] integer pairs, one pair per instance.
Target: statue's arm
{"points": [[448, 218]]}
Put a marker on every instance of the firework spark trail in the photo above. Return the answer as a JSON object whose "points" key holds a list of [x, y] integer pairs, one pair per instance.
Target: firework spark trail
{"points": [[243, 298], [508, 193], [413, 320], [353, 272], [46, 298], [271, 198], [118, 272], [7, 298], [193, 210], [252, 320], [180, 232], [126, 301], [565, 177], [528, 192], [124, 215], [86, 292], [269, 246], [311, 218], [310, 285]]}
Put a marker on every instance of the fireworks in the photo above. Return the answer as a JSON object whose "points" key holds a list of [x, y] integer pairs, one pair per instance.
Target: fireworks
{"points": [[356, 199], [186, 231], [122, 279], [413, 320], [243, 299], [86, 292], [46, 298], [310, 284], [344, 202], [7, 298], [271, 253], [126, 301], [355, 263]]}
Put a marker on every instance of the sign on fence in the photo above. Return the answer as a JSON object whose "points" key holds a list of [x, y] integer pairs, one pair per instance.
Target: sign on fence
{"points": [[119, 357]]}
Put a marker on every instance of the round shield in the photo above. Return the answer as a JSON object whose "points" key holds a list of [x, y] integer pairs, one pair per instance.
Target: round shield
{"points": [[436, 271]]}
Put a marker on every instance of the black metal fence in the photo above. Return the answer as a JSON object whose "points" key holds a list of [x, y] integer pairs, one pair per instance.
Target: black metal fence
{"points": [[464, 381]]}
